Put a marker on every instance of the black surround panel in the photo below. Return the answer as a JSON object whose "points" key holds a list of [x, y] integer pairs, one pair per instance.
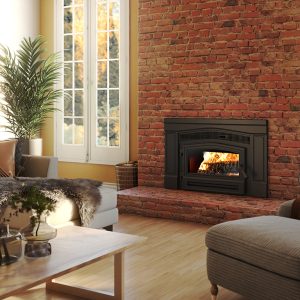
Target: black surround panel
{"points": [[191, 137]]}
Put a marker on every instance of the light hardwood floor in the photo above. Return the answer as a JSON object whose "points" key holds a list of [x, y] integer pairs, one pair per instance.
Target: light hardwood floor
{"points": [[171, 265]]}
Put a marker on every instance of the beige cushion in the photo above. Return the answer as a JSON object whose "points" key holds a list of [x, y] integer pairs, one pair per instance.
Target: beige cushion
{"points": [[7, 158]]}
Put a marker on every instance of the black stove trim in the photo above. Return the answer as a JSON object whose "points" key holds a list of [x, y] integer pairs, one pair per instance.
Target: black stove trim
{"points": [[180, 133]]}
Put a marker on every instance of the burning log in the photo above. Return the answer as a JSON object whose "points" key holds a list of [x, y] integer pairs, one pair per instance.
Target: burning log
{"points": [[220, 163]]}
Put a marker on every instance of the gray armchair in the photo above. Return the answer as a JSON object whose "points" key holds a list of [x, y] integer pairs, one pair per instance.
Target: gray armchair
{"points": [[258, 257]]}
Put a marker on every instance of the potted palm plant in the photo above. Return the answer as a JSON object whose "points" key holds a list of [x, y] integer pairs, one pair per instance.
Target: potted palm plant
{"points": [[27, 81]]}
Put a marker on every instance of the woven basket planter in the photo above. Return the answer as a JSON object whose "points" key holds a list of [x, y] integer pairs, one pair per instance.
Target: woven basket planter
{"points": [[127, 175]]}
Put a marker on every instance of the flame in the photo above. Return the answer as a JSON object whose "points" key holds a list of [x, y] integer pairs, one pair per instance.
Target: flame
{"points": [[217, 158]]}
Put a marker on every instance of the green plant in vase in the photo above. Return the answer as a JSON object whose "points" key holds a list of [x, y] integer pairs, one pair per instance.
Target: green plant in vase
{"points": [[38, 232]]}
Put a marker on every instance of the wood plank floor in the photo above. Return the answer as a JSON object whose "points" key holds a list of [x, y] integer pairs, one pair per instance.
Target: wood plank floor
{"points": [[171, 265]]}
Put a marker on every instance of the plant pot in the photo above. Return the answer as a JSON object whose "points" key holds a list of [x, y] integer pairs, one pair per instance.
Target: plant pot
{"points": [[36, 147], [22, 147], [37, 234]]}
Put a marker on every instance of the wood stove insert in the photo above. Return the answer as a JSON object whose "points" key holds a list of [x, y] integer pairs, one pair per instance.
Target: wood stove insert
{"points": [[214, 155]]}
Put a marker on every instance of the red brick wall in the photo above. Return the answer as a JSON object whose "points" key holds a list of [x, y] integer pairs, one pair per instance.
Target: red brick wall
{"points": [[221, 59]]}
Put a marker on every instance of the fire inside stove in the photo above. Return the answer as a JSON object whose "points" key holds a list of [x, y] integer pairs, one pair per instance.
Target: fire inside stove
{"points": [[217, 163]]}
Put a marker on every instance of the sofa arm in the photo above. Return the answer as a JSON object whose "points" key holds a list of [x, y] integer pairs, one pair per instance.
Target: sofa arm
{"points": [[39, 166], [285, 209]]}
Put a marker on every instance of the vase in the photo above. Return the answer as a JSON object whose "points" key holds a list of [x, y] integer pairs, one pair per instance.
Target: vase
{"points": [[10, 246], [36, 147], [37, 235]]}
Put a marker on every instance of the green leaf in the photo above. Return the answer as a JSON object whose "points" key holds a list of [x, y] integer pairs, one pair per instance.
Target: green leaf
{"points": [[27, 83]]}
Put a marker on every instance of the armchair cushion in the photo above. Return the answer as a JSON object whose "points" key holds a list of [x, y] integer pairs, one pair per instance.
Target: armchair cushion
{"points": [[7, 158], [39, 166]]}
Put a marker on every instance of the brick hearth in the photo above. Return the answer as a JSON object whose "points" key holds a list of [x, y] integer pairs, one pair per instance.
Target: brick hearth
{"points": [[193, 206]]}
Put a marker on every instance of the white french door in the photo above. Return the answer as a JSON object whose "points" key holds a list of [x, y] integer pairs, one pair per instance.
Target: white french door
{"points": [[92, 121]]}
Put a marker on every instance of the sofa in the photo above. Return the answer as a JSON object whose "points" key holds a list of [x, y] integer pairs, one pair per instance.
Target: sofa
{"points": [[67, 212], [258, 257]]}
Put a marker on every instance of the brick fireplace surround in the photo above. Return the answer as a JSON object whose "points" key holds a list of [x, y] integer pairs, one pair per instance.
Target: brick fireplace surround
{"points": [[217, 59]]}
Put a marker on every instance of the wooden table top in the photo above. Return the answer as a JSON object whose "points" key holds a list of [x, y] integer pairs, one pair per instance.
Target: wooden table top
{"points": [[73, 248]]}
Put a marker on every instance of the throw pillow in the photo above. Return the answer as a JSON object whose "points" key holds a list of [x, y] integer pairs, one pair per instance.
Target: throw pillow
{"points": [[7, 158]]}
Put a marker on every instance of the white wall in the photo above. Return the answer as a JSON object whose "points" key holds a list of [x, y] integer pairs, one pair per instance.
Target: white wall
{"points": [[18, 19]]}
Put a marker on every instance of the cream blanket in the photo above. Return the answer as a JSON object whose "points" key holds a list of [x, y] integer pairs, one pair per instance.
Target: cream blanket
{"points": [[84, 192]]}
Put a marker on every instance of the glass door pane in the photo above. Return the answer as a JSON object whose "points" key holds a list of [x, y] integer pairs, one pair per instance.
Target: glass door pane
{"points": [[108, 48], [74, 95]]}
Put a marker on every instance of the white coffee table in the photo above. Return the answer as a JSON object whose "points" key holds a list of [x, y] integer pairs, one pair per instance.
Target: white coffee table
{"points": [[73, 248]]}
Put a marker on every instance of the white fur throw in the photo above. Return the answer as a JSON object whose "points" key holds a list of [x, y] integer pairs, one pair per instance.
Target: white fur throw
{"points": [[84, 192]]}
